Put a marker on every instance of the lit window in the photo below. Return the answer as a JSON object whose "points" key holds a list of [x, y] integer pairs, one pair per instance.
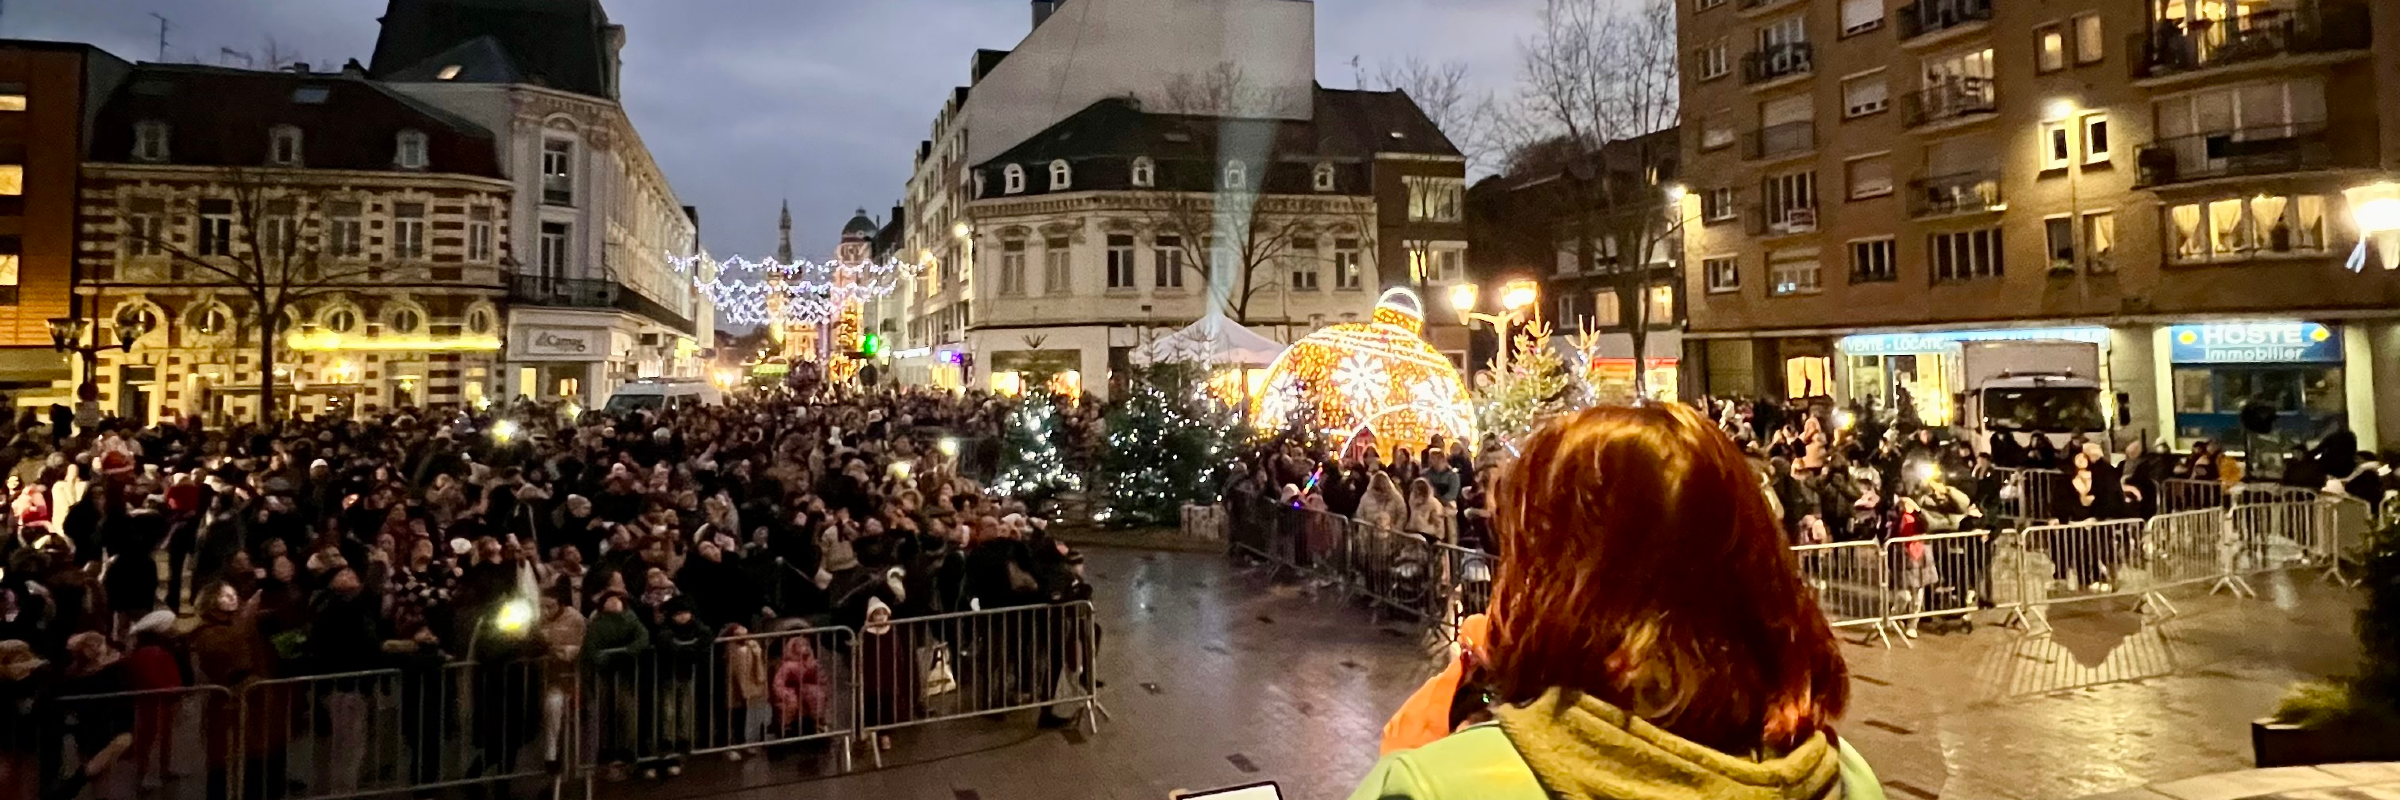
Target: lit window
{"points": [[2100, 240], [1606, 311], [12, 179], [2089, 47], [448, 73], [2053, 49], [12, 97], [1660, 310]]}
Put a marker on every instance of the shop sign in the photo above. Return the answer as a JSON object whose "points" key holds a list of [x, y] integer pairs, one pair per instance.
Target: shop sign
{"points": [[2253, 343], [569, 343], [1885, 344], [913, 352]]}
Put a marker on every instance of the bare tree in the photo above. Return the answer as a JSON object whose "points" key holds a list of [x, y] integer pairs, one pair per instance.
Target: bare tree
{"points": [[1445, 92], [268, 250], [1225, 90], [1597, 79], [1229, 234]]}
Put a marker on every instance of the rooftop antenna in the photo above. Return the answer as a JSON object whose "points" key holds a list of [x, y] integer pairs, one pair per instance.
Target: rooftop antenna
{"points": [[162, 36]]}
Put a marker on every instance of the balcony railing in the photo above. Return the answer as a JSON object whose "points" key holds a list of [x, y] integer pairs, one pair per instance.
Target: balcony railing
{"points": [[1783, 139], [2264, 150], [1956, 98], [2185, 46], [1750, 5], [1934, 16], [543, 290], [1777, 61], [1956, 193], [558, 190], [1762, 220]]}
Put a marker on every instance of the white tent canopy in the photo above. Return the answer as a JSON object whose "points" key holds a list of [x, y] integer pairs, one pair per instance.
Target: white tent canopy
{"points": [[1214, 340]]}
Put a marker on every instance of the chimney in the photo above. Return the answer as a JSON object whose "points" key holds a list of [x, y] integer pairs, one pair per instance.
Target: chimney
{"points": [[1042, 9], [300, 67]]}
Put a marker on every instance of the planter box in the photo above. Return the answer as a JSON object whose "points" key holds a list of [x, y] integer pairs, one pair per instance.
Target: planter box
{"points": [[2277, 745]]}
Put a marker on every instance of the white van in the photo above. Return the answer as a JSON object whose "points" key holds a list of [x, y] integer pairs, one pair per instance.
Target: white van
{"points": [[657, 393]]}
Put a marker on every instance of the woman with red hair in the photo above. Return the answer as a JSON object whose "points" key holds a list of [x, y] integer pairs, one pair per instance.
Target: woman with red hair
{"points": [[1648, 635]]}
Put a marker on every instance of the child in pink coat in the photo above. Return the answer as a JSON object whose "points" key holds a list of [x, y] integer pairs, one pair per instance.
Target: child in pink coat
{"points": [[799, 689]]}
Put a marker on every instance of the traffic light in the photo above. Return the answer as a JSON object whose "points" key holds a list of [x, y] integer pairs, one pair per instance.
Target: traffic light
{"points": [[870, 344]]}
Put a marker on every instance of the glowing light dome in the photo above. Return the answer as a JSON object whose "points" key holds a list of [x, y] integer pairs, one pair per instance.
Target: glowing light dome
{"points": [[1377, 377]]}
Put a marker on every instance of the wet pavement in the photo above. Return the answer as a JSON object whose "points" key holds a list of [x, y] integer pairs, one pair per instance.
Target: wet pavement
{"points": [[1218, 676]]}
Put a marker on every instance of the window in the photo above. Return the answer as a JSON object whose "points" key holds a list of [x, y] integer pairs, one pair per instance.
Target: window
{"points": [[12, 180], [1704, 5], [284, 146], [1166, 262], [1061, 176], [1437, 264], [558, 172], [1012, 266], [1120, 261], [1057, 266], [1716, 130], [311, 95], [2100, 241], [408, 231], [1865, 94], [340, 319], [411, 152], [449, 72], [2059, 234], [2089, 48], [1716, 205], [345, 234], [12, 250], [1711, 61], [1860, 16], [2057, 148], [279, 231], [1145, 173], [1964, 255], [1434, 199], [1661, 310], [479, 235], [2052, 55], [12, 97], [1606, 311], [1345, 264], [1322, 178], [150, 141], [1012, 179], [145, 227], [1791, 201], [1869, 176], [1304, 265], [1723, 273], [1874, 261], [2095, 138], [1237, 175], [553, 258], [480, 320], [2240, 228], [209, 320], [215, 233], [403, 322], [1793, 272]]}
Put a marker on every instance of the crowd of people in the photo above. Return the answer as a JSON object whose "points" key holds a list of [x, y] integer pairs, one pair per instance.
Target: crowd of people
{"points": [[520, 552]]}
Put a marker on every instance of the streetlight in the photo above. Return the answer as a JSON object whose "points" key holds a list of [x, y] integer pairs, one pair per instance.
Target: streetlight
{"points": [[66, 336], [1515, 297], [2375, 208]]}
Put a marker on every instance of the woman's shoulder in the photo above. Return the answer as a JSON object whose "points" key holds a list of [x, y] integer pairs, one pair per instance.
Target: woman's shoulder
{"points": [[1478, 762]]}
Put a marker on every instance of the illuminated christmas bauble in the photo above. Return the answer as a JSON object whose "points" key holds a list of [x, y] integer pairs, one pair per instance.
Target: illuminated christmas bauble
{"points": [[1377, 377]]}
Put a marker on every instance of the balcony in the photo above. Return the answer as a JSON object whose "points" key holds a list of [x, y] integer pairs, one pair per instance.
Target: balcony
{"points": [[1928, 17], [542, 290], [1956, 193], [1780, 140], [1953, 100], [1747, 6], [2268, 150], [1776, 62], [1781, 220], [2177, 47]]}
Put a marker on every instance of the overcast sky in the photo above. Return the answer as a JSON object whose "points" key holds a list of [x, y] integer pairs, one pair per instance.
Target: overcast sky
{"points": [[745, 102]]}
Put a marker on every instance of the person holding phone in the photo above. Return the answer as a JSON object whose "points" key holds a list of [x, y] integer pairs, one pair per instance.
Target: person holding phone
{"points": [[1647, 635]]}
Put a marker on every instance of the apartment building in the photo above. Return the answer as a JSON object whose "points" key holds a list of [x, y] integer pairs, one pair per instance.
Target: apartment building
{"points": [[49, 94], [1876, 183]]}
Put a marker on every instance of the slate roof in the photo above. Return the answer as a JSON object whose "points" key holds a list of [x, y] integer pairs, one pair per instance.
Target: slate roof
{"points": [[560, 44], [222, 117]]}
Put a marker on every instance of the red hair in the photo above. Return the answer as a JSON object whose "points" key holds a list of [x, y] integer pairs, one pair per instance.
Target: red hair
{"points": [[1641, 565]]}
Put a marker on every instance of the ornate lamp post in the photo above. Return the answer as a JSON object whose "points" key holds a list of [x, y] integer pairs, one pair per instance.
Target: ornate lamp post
{"points": [[1515, 298], [66, 336]]}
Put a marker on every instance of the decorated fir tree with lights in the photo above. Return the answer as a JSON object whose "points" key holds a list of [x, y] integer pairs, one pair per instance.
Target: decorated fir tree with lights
{"points": [[1167, 444], [1530, 391], [1033, 464]]}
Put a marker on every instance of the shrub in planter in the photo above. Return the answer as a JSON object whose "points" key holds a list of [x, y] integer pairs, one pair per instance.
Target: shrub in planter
{"points": [[2356, 718]]}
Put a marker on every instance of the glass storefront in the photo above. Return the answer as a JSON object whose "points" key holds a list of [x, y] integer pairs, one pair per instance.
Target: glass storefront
{"points": [[2292, 367]]}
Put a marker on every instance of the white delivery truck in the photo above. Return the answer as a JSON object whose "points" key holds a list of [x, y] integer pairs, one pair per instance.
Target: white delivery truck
{"points": [[2037, 387]]}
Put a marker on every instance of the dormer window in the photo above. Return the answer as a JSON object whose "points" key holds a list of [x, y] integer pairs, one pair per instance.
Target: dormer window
{"points": [[284, 146], [1237, 175], [1145, 173], [1061, 176], [411, 153], [1012, 179], [1324, 177], [448, 73], [150, 141]]}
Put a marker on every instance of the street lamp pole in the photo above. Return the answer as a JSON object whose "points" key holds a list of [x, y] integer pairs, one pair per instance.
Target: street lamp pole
{"points": [[1515, 298], [67, 335]]}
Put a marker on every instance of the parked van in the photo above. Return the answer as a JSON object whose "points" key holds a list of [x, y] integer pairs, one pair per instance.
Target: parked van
{"points": [[657, 393]]}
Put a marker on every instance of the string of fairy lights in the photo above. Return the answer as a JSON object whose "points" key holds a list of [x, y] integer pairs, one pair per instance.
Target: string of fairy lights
{"points": [[799, 292]]}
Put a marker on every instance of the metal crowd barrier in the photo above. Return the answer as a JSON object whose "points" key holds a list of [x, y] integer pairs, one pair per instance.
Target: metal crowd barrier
{"points": [[2031, 497], [178, 744], [1398, 572], [1394, 572], [1940, 576], [970, 664], [354, 734], [2085, 561], [2184, 494], [652, 708], [1851, 584]]}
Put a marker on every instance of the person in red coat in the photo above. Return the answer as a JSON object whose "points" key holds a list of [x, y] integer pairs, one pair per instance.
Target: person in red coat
{"points": [[151, 666]]}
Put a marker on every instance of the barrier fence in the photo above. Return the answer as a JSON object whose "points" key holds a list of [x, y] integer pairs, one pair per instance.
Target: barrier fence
{"points": [[1896, 585], [523, 726]]}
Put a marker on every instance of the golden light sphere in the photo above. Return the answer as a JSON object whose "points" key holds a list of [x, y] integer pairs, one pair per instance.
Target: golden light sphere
{"points": [[1378, 377]]}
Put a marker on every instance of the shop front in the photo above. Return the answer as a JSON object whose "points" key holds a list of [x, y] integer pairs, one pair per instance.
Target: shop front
{"points": [[1924, 370], [557, 362], [2290, 366]]}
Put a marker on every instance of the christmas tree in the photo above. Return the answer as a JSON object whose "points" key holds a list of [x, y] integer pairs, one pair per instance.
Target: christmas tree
{"points": [[1529, 392], [1169, 442], [1033, 465]]}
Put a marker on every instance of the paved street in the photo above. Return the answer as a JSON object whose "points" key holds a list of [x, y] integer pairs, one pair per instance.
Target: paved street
{"points": [[1217, 677]]}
